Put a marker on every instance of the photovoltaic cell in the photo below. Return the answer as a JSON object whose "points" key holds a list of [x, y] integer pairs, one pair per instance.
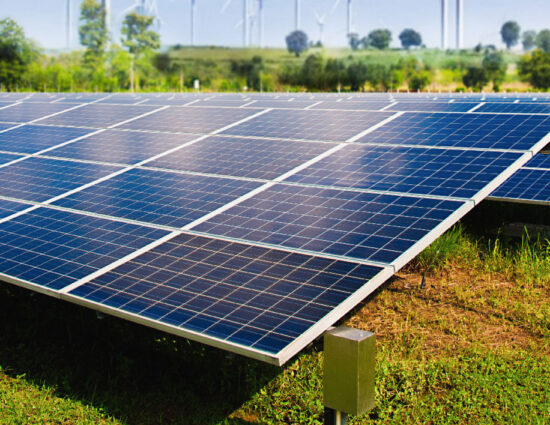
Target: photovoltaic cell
{"points": [[38, 179], [442, 172], [526, 185], [352, 105], [247, 295], [54, 248], [98, 116], [190, 119], [516, 108], [5, 126], [360, 225], [159, 197], [8, 208], [253, 158], [309, 125], [6, 157], [34, 138], [282, 104], [26, 111], [121, 147], [484, 131]]}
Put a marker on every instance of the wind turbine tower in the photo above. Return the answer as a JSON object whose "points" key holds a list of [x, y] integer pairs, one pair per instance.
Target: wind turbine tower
{"points": [[193, 10], [459, 23], [443, 24], [261, 22], [349, 18], [321, 23], [107, 10], [297, 14], [68, 23], [245, 23]]}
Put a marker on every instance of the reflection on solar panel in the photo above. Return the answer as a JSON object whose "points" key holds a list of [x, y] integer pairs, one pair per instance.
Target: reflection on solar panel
{"points": [[259, 228], [482, 131]]}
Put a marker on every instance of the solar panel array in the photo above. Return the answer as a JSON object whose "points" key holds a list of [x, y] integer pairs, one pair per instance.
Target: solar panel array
{"points": [[248, 222]]}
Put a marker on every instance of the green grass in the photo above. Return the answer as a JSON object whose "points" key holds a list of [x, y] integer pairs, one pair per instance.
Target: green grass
{"points": [[473, 347]]}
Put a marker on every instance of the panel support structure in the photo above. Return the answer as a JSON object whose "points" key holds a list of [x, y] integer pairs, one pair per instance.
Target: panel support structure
{"points": [[349, 369]]}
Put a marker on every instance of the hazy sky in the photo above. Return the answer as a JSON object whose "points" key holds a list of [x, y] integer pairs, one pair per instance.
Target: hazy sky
{"points": [[44, 20]]}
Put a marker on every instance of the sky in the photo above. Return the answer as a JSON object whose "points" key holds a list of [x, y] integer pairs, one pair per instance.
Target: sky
{"points": [[44, 20]]}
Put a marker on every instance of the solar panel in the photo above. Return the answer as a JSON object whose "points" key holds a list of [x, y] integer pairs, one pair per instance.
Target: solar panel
{"points": [[190, 120], [516, 108], [282, 104], [482, 131], [26, 112], [309, 125], [158, 197], [98, 116], [121, 147], [441, 172], [433, 106], [242, 157], [34, 138], [256, 239], [349, 105]]}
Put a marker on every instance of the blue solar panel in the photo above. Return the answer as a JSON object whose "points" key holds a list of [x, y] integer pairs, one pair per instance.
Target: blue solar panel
{"points": [[442, 172], [516, 108], [347, 105], [526, 185], [433, 106], [5, 126], [26, 112], [253, 158], [6, 157], [309, 125], [98, 116], [251, 296], [166, 198], [539, 161], [34, 138], [483, 131], [190, 120], [282, 104], [122, 147], [38, 179], [366, 226], [227, 103], [54, 248]]}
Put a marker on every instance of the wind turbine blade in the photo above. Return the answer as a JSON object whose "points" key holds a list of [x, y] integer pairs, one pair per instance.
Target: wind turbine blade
{"points": [[225, 6], [335, 6]]}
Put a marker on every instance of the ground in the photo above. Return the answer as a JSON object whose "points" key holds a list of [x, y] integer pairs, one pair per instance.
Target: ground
{"points": [[471, 347]]}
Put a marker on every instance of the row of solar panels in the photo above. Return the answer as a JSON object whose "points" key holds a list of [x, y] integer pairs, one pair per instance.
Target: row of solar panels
{"points": [[248, 229]]}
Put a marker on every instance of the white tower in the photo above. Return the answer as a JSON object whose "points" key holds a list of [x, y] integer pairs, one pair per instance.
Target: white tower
{"points": [[107, 9], [261, 22], [245, 23], [349, 18], [297, 14], [443, 24], [459, 23], [68, 24], [192, 14]]}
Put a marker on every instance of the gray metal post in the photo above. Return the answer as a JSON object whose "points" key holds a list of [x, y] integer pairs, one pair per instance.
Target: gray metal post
{"points": [[349, 369]]}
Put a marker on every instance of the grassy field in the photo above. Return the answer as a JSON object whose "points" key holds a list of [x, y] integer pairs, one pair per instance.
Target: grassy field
{"points": [[472, 347]]}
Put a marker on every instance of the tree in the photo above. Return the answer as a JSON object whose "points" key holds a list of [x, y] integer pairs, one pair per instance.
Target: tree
{"points": [[377, 76], [476, 77], [138, 38], [16, 53], [297, 42], [529, 40], [250, 69], [379, 39], [420, 80], [93, 32], [535, 68], [510, 33], [410, 38], [354, 41], [543, 40], [357, 75], [336, 74], [313, 72], [495, 67]]}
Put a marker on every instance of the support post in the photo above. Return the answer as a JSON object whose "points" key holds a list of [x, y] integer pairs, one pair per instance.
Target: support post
{"points": [[349, 369]]}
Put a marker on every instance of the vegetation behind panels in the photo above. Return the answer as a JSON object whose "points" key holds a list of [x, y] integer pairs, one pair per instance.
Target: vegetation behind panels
{"points": [[368, 64]]}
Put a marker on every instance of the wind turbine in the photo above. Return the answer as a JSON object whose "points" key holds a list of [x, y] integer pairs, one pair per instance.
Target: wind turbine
{"points": [[106, 4], [68, 23], [261, 22], [443, 24], [297, 14], [193, 13], [459, 23], [349, 14], [321, 22]]}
